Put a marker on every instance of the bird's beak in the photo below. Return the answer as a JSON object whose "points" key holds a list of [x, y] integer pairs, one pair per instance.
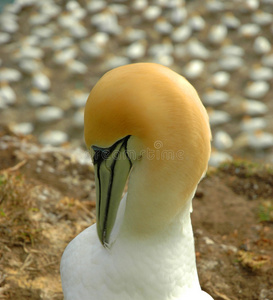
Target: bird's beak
{"points": [[112, 167]]}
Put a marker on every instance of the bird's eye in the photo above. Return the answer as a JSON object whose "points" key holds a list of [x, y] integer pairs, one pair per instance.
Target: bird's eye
{"points": [[100, 154], [109, 153]]}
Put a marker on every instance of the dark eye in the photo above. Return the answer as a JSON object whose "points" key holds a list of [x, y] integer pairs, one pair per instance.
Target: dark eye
{"points": [[100, 154]]}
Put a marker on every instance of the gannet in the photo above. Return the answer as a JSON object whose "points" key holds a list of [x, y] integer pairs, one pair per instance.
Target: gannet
{"points": [[145, 122], [249, 30], [76, 67], [7, 94], [136, 50], [217, 34], [231, 21], [181, 33], [54, 138], [262, 45], [218, 117], [196, 22], [36, 98], [256, 89], [194, 69], [220, 79], [24, 128], [41, 81], [49, 114]]}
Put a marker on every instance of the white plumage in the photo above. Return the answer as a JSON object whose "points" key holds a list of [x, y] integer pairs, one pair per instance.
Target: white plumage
{"points": [[133, 267]]}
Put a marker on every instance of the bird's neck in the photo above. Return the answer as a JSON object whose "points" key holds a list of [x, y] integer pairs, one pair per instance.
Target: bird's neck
{"points": [[157, 197], [169, 251], [156, 237], [179, 226]]}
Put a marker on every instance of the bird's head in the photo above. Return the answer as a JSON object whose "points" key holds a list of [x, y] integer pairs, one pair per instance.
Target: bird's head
{"points": [[148, 118]]}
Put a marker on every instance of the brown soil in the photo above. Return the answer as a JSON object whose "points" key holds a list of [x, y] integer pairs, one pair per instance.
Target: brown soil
{"points": [[47, 198]]}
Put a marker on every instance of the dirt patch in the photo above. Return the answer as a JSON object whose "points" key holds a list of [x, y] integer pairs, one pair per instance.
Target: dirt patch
{"points": [[48, 197], [234, 232]]}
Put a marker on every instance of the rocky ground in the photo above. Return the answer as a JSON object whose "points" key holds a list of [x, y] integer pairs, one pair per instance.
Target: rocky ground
{"points": [[47, 197]]}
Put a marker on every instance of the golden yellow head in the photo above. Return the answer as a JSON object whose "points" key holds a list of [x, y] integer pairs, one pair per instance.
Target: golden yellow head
{"points": [[151, 102], [161, 111]]}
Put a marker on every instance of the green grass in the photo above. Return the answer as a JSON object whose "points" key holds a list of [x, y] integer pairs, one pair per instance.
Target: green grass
{"points": [[266, 211]]}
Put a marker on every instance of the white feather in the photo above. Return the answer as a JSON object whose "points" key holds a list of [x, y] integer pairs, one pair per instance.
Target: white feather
{"points": [[134, 268]]}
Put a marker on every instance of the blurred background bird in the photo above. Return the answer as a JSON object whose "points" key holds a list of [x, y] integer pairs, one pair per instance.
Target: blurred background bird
{"points": [[50, 49]]}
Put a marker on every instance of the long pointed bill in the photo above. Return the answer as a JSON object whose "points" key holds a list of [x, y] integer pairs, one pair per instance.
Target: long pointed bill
{"points": [[112, 167]]}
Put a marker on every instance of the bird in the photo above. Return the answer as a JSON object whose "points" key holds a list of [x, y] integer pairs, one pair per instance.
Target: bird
{"points": [[249, 30], [194, 69], [53, 138], [213, 97], [218, 157], [217, 34], [146, 122], [262, 45], [181, 34]]}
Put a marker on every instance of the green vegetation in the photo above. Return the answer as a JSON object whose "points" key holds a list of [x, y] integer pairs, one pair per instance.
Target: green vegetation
{"points": [[266, 211]]}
